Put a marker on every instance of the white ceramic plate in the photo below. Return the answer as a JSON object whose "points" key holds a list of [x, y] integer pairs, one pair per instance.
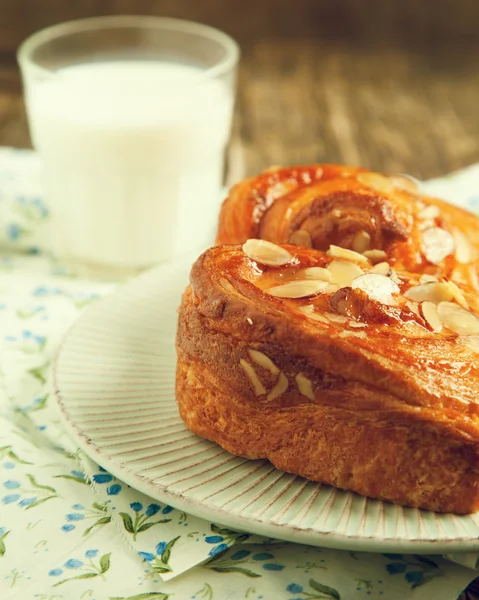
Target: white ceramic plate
{"points": [[114, 382]]}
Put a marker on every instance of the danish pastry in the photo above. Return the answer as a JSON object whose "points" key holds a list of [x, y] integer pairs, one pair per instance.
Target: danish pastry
{"points": [[333, 330]]}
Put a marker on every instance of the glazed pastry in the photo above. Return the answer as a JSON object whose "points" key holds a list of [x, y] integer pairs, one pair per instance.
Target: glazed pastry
{"points": [[319, 205], [352, 362]]}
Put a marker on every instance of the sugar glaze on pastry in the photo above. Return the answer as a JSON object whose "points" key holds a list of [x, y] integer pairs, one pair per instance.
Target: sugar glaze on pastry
{"points": [[337, 335]]}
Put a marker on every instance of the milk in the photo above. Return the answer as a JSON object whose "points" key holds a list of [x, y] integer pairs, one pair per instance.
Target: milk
{"points": [[133, 159]]}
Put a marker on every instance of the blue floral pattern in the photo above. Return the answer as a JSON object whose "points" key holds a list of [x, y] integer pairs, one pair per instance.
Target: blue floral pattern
{"points": [[3, 534], [138, 522], [68, 527], [416, 569], [87, 567], [35, 493], [95, 517]]}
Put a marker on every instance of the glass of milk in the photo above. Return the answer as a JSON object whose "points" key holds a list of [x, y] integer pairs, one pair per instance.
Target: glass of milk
{"points": [[131, 116]]}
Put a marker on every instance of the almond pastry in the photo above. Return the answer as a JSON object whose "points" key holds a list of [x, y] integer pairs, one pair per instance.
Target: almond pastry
{"points": [[334, 331]]}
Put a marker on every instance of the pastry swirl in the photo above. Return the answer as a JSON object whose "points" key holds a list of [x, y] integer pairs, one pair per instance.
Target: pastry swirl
{"points": [[333, 331]]}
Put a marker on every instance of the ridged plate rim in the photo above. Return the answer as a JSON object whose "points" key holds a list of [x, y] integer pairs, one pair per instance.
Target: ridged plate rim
{"points": [[159, 279]]}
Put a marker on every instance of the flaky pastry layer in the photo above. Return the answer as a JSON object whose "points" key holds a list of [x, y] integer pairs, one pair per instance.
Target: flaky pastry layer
{"points": [[344, 386]]}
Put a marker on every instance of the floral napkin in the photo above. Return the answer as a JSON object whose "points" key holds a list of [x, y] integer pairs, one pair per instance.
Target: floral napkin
{"points": [[23, 212], [69, 529]]}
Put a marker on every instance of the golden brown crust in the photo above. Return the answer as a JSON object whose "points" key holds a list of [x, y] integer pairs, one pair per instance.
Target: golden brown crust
{"points": [[368, 397], [402, 460], [333, 203]]}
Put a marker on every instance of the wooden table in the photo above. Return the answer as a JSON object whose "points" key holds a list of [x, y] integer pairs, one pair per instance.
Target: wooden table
{"points": [[394, 110], [391, 108]]}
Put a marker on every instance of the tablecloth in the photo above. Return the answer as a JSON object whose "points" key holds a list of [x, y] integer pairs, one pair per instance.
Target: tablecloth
{"points": [[70, 530]]}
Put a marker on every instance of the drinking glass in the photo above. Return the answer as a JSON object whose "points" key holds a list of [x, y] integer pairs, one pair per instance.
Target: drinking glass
{"points": [[131, 116]]}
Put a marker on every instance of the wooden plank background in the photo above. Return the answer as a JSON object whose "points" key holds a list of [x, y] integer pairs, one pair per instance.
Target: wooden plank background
{"points": [[388, 84], [372, 21]]}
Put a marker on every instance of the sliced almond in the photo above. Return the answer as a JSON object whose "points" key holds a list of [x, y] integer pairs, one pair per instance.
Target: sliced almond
{"points": [[335, 318], [375, 256], [431, 316], [279, 388], [413, 306], [250, 320], [458, 319], [305, 386], [250, 373], [465, 252], [266, 253], [382, 268], [301, 237], [345, 254], [471, 342], [315, 273], [404, 182], [343, 273], [461, 275], [430, 292], [377, 182], [263, 361], [306, 308], [318, 317], [395, 277], [423, 225], [356, 325], [361, 242], [431, 212], [357, 334], [378, 287], [437, 243], [427, 278], [298, 289], [457, 294], [331, 288]]}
